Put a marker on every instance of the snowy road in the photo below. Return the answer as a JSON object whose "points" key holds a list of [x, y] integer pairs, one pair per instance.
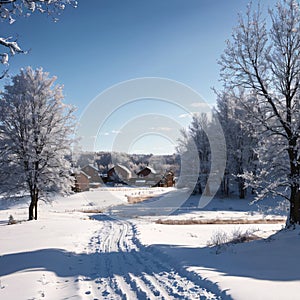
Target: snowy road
{"points": [[122, 268]]}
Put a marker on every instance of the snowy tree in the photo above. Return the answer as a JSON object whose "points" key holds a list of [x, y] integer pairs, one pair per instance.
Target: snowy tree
{"points": [[11, 9], [240, 141], [189, 163], [84, 158], [103, 161], [196, 137], [35, 137], [198, 130], [263, 57]]}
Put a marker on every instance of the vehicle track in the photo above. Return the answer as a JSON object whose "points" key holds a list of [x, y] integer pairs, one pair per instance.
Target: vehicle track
{"points": [[122, 268]]}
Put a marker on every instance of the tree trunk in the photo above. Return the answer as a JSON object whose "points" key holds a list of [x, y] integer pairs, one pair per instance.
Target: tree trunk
{"points": [[225, 185], [294, 217], [242, 193], [241, 181], [242, 189], [31, 207], [226, 189], [35, 210], [207, 190]]}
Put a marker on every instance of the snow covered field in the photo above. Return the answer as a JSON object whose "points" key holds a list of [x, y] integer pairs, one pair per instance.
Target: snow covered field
{"points": [[75, 252]]}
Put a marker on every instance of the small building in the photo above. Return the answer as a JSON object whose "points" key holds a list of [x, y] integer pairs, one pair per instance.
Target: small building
{"points": [[148, 177], [118, 173], [168, 180], [82, 182], [147, 172], [93, 173]]}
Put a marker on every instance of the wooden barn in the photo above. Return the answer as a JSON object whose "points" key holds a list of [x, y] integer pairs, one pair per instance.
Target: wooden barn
{"points": [[168, 180], [148, 176], [119, 173], [147, 172], [93, 174], [82, 182]]}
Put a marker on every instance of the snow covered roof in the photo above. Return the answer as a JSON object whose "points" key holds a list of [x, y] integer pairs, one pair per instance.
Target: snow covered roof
{"points": [[91, 166], [150, 169], [123, 167], [84, 174]]}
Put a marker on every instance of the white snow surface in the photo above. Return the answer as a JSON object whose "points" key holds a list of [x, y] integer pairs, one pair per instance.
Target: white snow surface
{"points": [[75, 252]]}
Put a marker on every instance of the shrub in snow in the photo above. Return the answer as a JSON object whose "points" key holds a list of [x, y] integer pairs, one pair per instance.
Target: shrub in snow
{"points": [[11, 220], [220, 239], [237, 236]]}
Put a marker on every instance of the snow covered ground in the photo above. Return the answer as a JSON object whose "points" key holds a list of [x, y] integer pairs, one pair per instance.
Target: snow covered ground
{"points": [[75, 252]]}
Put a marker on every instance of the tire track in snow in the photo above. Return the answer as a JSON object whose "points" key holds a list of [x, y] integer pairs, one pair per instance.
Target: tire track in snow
{"points": [[122, 268]]}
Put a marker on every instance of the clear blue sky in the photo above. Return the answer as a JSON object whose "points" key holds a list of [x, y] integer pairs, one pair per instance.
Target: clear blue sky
{"points": [[104, 42]]}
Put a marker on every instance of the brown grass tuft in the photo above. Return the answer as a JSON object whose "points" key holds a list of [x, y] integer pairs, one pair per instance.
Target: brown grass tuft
{"points": [[219, 221], [92, 211], [137, 199]]}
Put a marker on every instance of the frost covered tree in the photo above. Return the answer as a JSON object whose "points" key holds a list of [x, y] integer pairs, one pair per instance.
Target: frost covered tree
{"points": [[263, 58], [240, 141], [12, 9], [189, 163], [202, 150], [36, 130], [84, 158], [197, 130], [196, 137]]}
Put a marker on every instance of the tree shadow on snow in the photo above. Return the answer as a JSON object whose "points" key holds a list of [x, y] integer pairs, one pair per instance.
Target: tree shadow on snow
{"points": [[10, 202], [177, 202], [92, 266], [95, 265], [274, 259], [68, 264]]}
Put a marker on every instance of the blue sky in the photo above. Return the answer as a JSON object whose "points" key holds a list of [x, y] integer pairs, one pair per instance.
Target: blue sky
{"points": [[104, 42]]}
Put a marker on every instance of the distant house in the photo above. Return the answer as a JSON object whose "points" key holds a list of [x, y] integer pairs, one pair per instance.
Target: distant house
{"points": [[118, 173], [82, 182], [169, 179], [93, 173], [147, 172], [153, 178], [148, 177]]}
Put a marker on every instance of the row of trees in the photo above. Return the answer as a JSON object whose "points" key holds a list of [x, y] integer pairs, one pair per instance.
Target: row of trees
{"points": [[259, 106], [239, 146]]}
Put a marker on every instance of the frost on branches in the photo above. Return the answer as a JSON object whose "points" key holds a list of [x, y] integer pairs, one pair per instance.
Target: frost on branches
{"points": [[198, 157], [11, 9], [35, 137], [239, 142], [263, 61]]}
